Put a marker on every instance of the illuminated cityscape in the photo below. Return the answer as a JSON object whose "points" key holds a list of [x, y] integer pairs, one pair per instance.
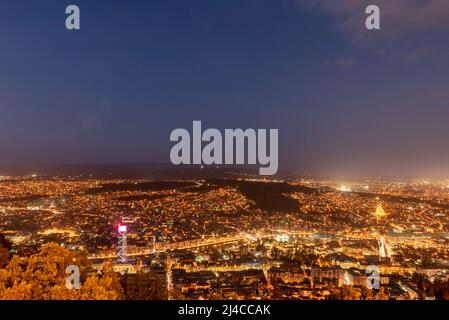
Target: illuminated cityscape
{"points": [[224, 150], [243, 238], [380, 212]]}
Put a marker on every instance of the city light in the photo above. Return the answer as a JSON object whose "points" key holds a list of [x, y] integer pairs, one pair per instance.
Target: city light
{"points": [[380, 212], [344, 189], [324, 236]]}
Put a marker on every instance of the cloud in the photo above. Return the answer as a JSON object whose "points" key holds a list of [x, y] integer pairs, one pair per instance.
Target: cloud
{"points": [[90, 121], [420, 54], [344, 63], [399, 18], [442, 94]]}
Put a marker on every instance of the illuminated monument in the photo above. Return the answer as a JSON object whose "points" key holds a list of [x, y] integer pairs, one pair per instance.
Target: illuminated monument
{"points": [[122, 246], [383, 250], [380, 212]]}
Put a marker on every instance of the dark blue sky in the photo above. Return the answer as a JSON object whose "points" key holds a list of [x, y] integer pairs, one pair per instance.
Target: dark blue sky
{"points": [[346, 101]]}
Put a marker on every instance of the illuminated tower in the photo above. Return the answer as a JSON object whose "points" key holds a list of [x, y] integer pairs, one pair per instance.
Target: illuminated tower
{"points": [[380, 212], [383, 251], [348, 279], [122, 246]]}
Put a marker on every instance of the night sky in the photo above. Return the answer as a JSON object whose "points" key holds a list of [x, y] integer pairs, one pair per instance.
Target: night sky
{"points": [[346, 100]]}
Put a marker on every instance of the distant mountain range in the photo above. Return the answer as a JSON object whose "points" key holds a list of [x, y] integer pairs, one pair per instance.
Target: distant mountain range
{"points": [[160, 171], [138, 170]]}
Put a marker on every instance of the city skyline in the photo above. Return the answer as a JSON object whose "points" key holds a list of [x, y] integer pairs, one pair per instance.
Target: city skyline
{"points": [[224, 239], [228, 158]]}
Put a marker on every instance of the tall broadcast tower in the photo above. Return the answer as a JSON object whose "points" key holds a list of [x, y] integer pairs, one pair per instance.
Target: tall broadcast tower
{"points": [[122, 246]]}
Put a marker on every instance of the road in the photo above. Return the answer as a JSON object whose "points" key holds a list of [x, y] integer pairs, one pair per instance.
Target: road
{"points": [[191, 244]]}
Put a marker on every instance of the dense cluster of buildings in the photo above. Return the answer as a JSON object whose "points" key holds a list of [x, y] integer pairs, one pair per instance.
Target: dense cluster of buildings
{"points": [[213, 241]]}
